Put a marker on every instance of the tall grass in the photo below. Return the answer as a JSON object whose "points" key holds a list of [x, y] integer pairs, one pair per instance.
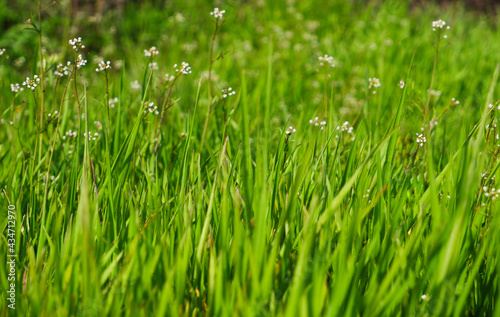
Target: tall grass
{"points": [[214, 206]]}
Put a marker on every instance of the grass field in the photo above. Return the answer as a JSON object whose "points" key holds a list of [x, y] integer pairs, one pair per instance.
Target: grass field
{"points": [[263, 177]]}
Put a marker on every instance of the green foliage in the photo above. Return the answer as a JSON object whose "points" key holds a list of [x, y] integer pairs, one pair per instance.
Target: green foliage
{"points": [[347, 216]]}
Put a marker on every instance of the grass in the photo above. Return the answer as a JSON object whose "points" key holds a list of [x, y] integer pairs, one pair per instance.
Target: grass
{"points": [[210, 207]]}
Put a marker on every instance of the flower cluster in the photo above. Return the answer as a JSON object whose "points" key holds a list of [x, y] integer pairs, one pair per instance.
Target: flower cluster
{"points": [[153, 66], [454, 102], [367, 194], [328, 60], [152, 52], [62, 70], [421, 139], [167, 78], [439, 24], [227, 92], [345, 127], [317, 123], [493, 193], [150, 107], [373, 83], [80, 61], [2, 50], [103, 66], [135, 85], [69, 134], [92, 137], [76, 44], [32, 83], [217, 13], [113, 101], [290, 130], [16, 88], [185, 69]]}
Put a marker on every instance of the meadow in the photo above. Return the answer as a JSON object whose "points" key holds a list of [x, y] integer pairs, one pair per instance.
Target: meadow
{"points": [[249, 158]]}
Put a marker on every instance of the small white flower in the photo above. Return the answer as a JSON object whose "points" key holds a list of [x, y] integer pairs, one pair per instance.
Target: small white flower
{"points": [[454, 101], [62, 70], [290, 130], [103, 66], [345, 127], [150, 107], [76, 44], [185, 69], [421, 139], [401, 84], [152, 52], [425, 297], [228, 92], [2, 50], [153, 66], [113, 101], [16, 88], [317, 123], [90, 136], [168, 77], [433, 92], [80, 61], [328, 60], [135, 85], [373, 83], [32, 83], [438, 24], [218, 14]]}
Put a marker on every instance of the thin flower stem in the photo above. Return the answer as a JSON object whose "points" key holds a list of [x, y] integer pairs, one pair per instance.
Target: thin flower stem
{"points": [[209, 85]]}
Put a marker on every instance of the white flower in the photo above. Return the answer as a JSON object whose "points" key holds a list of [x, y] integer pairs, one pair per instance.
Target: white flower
{"points": [[135, 85], [317, 123], [80, 61], [150, 107], [76, 44], [113, 101], [401, 84], [185, 68], [153, 66], [69, 134], [227, 92], [454, 101], [32, 83], [290, 130], [217, 13], [345, 127], [373, 83], [92, 137], [152, 52], [16, 88], [326, 59], [438, 24], [103, 66], [168, 77], [421, 139], [62, 70], [2, 50], [425, 297], [433, 92]]}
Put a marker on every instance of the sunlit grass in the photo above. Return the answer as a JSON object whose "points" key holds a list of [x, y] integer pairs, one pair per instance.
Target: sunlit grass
{"points": [[276, 158]]}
